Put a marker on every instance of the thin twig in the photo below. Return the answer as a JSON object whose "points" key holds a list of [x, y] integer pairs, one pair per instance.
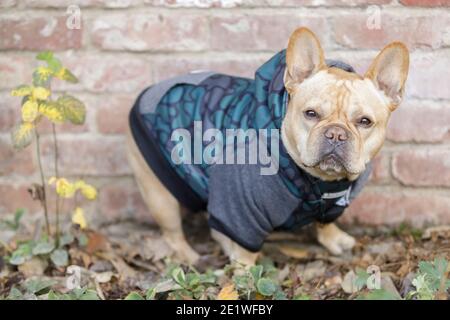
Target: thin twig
{"points": [[41, 170], [55, 146]]}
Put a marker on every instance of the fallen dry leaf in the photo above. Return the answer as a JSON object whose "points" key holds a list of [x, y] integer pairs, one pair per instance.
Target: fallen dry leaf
{"points": [[228, 293], [293, 252]]}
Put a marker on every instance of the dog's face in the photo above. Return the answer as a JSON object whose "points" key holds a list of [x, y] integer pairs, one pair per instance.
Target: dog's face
{"points": [[336, 121]]}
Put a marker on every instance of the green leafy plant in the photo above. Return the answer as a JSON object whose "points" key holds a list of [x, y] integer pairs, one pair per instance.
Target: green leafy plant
{"points": [[37, 104], [14, 223], [45, 248], [431, 280], [259, 281]]}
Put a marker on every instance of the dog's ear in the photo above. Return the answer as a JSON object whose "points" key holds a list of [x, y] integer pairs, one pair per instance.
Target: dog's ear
{"points": [[304, 57], [389, 71]]}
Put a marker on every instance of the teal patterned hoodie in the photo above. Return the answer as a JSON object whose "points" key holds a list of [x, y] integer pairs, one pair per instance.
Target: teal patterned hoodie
{"points": [[226, 102]]}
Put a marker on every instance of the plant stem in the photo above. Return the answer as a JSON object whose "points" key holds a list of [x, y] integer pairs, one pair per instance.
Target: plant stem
{"points": [[55, 145], [41, 170]]}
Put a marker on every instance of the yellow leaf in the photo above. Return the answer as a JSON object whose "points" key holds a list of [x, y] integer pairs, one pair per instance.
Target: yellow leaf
{"points": [[41, 76], [52, 180], [228, 293], [64, 188], [29, 111], [74, 109], [65, 74], [21, 91], [40, 93], [22, 135], [79, 218], [52, 111], [89, 192]]}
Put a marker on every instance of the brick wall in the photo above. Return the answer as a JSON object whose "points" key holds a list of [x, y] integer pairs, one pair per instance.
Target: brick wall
{"points": [[125, 45]]}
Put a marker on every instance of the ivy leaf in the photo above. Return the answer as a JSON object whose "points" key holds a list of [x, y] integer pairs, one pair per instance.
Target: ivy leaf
{"points": [[179, 276], [256, 272], [42, 76], [44, 55], [21, 91], [60, 257], [55, 65], [134, 296], [378, 294], [52, 111], [150, 294], [40, 93], [266, 287], [21, 254], [74, 110], [30, 111], [66, 75], [22, 135], [66, 239], [37, 285], [43, 247]]}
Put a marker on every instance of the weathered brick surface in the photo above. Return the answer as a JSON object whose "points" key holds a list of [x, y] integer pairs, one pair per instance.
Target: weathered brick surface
{"points": [[430, 31], [126, 45], [427, 167], [394, 207], [142, 32], [97, 156], [407, 122], [26, 32], [259, 32]]}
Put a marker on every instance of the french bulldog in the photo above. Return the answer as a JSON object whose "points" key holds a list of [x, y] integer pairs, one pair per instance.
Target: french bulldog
{"points": [[331, 123]]}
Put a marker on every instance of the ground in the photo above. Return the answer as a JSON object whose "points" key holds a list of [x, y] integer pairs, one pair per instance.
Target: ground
{"points": [[130, 260]]}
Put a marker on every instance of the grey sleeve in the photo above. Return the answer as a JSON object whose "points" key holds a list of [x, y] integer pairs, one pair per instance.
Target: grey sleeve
{"points": [[245, 205]]}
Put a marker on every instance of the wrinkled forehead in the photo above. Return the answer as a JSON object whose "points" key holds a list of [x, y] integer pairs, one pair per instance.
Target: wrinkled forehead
{"points": [[338, 89]]}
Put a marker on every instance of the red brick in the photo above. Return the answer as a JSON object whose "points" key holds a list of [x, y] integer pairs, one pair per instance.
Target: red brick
{"points": [[112, 113], [80, 3], [351, 31], [422, 167], [13, 161], [425, 3], [239, 32], [15, 70], [388, 207], [15, 196], [407, 122], [121, 199], [259, 3], [380, 170], [38, 33], [428, 77], [111, 73], [142, 32], [7, 3], [88, 156], [172, 66]]}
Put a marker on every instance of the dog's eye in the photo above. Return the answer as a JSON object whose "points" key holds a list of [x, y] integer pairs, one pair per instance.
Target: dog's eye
{"points": [[311, 114], [365, 122]]}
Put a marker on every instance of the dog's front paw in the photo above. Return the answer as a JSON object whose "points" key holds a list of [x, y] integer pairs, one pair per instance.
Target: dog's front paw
{"points": [[334, 239]]}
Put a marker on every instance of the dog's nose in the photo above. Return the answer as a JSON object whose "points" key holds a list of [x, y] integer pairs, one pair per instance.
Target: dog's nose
{"points": [[336, 134]]}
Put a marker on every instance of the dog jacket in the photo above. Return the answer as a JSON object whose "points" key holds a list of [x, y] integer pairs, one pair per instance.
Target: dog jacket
{"points": [[242, 203]]}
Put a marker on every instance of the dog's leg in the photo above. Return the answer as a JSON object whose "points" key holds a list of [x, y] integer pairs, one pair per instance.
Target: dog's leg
{"points": [[333, 238], [234, 251], [162, 205]]}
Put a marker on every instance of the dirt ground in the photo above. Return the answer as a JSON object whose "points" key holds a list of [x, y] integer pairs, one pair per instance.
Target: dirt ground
{"points": [[127, 256]]}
